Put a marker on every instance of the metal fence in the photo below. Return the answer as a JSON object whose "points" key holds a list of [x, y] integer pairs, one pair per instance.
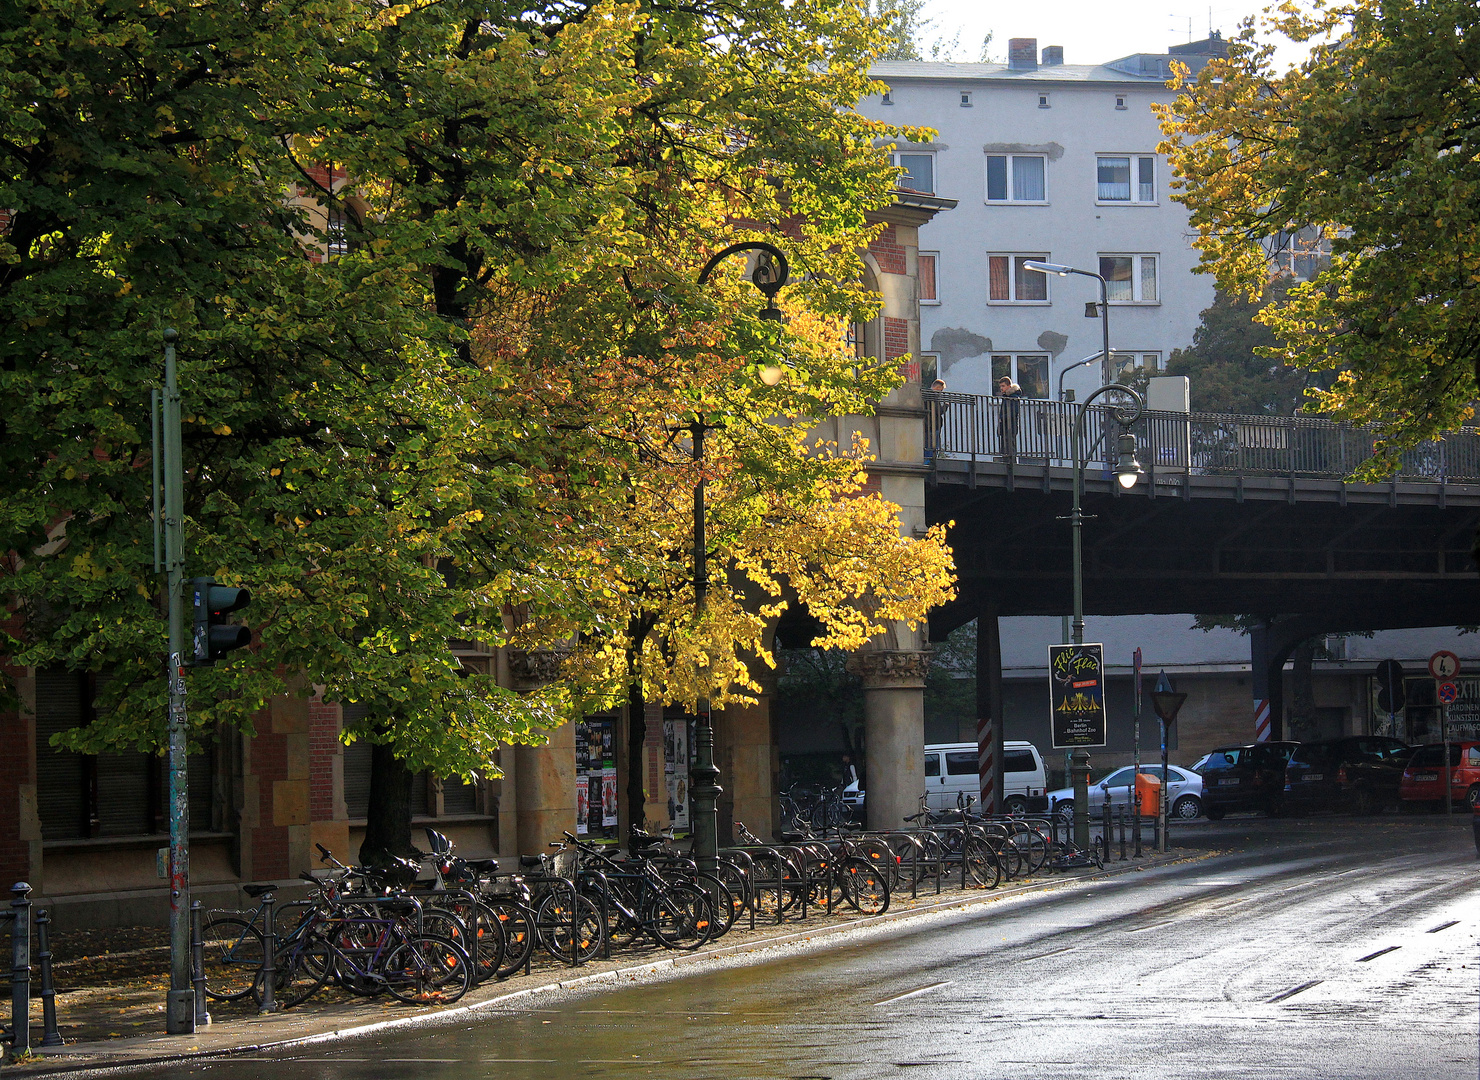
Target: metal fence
{"points": [[1033, 431]]}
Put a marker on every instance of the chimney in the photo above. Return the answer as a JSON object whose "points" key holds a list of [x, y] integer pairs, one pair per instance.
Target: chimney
{"points": [[1053, 55], [1022, 54]]}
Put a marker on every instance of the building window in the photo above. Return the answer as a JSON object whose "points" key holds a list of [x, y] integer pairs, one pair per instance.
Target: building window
{"points": [[1043, 101], [1010, 282], [929, 368], [927, 287], [1129, 279], [1128, 178], [336, 234], [888, 98], [1120, 101], [1017, 178], [1027, 370], [919, 173], [965, 99], [1125, 363]]}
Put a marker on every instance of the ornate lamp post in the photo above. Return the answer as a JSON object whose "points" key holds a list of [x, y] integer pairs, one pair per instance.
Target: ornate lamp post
{"points": [[769, 276], [1127, 472]]}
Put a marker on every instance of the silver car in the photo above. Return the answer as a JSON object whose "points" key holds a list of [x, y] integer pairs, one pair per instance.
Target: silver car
{"points": [[1184, 792]]}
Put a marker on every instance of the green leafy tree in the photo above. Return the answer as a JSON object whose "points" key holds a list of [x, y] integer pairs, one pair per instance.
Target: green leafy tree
{"points": [[1371, 144], [405, 420], [1232, 363]]}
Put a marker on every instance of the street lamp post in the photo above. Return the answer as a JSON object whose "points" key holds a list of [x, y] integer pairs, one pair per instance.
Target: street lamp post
{"points": [[769, 276], [1104, 307]]}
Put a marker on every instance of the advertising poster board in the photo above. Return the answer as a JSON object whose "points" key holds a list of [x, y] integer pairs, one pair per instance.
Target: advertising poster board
{"points": [[1076, 688]]}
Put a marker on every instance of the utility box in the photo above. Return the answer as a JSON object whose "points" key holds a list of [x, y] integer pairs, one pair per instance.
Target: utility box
{"points": [[1149, 788], [1169, 393]]}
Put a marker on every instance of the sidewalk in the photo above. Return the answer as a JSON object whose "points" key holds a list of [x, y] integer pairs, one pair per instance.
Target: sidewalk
{"points": [[118, 1019]]}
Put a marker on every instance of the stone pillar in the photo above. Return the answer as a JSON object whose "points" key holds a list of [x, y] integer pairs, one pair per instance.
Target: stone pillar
{"points": [[544, 776], [275, 814], [20, 824], [894, 732], [742, 750], [328, 816]]}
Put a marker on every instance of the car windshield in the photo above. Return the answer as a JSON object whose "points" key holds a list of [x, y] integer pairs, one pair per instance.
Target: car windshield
{"points": [[1223, 759], [1433, 756]]}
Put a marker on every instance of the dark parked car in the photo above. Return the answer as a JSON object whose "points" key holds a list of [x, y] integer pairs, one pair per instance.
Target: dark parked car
{"points": [[1248, 777], [1358, 773]]}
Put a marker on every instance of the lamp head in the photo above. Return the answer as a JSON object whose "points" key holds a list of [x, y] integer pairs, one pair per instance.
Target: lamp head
{"points": [[1091, 309], [1127, 469], [1048, 267]]}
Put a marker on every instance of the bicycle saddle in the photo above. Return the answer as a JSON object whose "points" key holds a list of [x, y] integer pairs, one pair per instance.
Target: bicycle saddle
{"points": [[530, 860], [255, 891], [793, 837], [484, 866]]}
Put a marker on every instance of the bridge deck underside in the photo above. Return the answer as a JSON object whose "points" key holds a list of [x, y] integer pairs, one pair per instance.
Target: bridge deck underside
{"points": [[1357, 556]]}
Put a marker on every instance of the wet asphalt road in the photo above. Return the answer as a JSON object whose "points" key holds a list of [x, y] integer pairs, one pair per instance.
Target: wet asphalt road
{"points": [[1327, 948]]}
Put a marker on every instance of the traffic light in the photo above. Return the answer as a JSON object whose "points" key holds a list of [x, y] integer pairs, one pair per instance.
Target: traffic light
{"points": [[1390, 695], [214, 637]]}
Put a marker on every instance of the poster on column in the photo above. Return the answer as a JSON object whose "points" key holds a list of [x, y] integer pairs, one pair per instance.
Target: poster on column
{"points": [[676, 766], [1076, 689]]}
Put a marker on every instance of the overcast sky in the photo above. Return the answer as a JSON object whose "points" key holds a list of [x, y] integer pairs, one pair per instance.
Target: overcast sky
{"points": [[1090, 32]]}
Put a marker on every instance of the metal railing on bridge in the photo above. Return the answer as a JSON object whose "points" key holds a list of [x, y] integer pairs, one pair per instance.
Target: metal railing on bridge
{"points": [[1035, 431]]}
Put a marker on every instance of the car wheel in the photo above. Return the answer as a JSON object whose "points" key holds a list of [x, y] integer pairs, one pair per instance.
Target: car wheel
{"points": [[1472, 796], [1065, 810], [1214, 813], [1363, 803], [1017, 805], [1186, 808]]}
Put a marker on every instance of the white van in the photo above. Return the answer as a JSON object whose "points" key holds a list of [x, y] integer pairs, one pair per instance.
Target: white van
{"points": [[951, 768]]}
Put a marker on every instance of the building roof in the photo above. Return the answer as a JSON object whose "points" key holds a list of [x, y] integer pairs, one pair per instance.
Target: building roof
{"points": [[1136, 69]]}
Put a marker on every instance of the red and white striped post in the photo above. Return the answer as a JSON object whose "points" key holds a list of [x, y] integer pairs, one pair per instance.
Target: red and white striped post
{"points": [[986, 764], [1261, 720]]}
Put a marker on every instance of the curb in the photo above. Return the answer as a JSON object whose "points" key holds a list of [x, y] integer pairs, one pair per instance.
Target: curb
{"points": [[672, 963]]}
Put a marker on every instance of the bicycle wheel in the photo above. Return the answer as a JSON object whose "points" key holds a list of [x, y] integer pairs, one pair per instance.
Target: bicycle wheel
{"points": [[983, 865], [356, 942], [299, 972], [428, 970], [477, 929], [680, 917], [517, 922], [864, 888], [727, 906], [232, 957], [560, 935]]}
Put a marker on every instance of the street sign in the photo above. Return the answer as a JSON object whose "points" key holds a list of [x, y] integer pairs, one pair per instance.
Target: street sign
{"points": [[1448, 693], [1136, 668], [1076, 692], [1444, 665], [1390, 695]]}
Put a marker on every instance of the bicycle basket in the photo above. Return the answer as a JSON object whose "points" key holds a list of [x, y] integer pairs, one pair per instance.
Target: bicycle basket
{"points": [[565, 863]]}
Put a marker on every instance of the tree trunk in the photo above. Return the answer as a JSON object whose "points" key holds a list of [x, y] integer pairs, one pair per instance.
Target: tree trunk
{"points": [[636, 755], [388, 819], [1303, 724]]}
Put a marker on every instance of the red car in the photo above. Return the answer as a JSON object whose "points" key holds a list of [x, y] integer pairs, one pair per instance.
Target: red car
{"points": [[1423, 779]]}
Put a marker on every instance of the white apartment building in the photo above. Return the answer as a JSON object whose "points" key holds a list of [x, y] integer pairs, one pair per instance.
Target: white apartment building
{"points": [[1054, 162]]}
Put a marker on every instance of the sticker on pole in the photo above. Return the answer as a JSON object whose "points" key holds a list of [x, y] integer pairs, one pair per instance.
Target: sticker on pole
{"points": [[1444, 665], [1448, 693], [1076, 688]]}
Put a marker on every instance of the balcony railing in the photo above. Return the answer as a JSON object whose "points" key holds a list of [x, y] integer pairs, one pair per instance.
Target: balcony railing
{"points": [[1034, 431]]}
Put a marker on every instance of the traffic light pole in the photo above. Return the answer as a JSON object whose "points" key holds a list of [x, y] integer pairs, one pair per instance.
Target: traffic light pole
{"points": [[180, 1006]]}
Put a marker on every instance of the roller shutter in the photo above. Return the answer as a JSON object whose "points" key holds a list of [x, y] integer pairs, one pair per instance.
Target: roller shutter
{"points": [[61, 779]]}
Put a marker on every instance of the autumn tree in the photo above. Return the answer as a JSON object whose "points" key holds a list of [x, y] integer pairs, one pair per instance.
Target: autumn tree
{"points": [[434, 270], [1371, 143]]}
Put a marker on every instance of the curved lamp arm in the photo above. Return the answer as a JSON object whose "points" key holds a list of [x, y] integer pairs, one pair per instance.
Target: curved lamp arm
{"points": [[769, 278]]}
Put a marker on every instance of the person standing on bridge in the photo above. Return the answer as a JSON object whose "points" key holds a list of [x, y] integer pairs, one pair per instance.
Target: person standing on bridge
{"points": [[1007, 418], [935, 411]]}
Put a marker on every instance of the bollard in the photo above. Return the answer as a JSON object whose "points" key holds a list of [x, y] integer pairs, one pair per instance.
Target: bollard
{"points": [[198, 965], [50, 1036], [20, 971], [1106, 829], [1121, 815], [268, 1004]]}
